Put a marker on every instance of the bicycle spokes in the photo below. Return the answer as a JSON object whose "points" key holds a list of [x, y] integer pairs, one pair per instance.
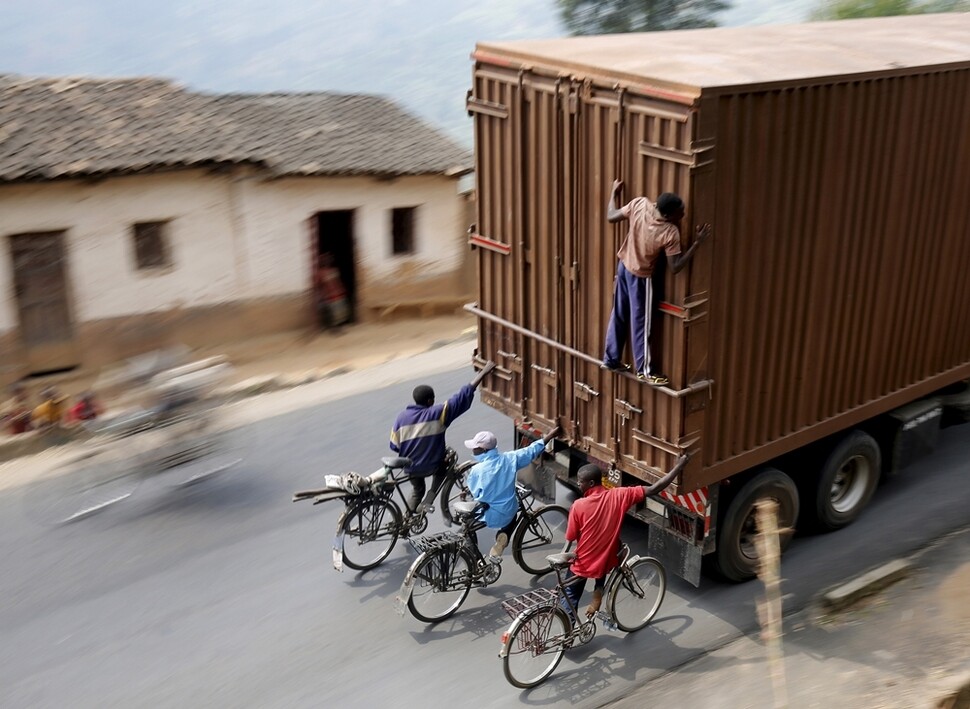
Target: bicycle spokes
{"points": [[631, 584]]}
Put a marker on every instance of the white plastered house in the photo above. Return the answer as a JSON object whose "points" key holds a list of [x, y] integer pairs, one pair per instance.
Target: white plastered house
{"points": [[135, 213]]}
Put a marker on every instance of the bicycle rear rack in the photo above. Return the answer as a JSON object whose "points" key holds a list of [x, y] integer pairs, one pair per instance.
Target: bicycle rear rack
{"points": [[436, 541], [526, 601]]}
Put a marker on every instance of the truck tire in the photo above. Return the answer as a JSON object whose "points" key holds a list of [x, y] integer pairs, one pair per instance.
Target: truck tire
{"points": [[846, 481], [736, 558]]}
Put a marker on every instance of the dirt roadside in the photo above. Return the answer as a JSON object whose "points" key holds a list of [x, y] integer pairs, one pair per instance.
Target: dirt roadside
{"points": [[291, 361]]}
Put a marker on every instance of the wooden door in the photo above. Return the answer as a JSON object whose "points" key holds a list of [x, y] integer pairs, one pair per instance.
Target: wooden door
{"points": [[40, 289]]}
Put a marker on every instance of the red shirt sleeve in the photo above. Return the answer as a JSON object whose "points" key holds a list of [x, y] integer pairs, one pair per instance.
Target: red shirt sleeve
{"points": [[634, 495]]}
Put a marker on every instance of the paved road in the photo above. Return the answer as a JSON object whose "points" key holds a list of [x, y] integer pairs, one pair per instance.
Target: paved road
{"points": [[223, 595]]}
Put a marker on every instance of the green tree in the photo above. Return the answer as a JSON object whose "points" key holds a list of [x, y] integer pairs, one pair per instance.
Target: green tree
{"points": [[852, 9], [616, 16]]}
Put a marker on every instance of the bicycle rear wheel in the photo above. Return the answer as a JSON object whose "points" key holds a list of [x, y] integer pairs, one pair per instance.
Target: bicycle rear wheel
{"points": [[370, 529], [454, 490], [538, 535], [636, 595], [442, 580], [534, 645]]}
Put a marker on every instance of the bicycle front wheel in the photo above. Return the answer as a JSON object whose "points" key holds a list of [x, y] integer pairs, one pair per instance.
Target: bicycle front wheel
{"points": [[441, 584], [637, 594], [535, 645], [370, 529], [538, 535], [454, 490]]}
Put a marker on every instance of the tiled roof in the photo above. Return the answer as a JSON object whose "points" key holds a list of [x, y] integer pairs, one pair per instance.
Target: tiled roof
{"points": [[64, 127]]}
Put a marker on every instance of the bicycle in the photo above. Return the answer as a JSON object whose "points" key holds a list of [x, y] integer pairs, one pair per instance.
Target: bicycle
{"points": [[544, 622], [372, 520], [171, 424], [450, 563]]}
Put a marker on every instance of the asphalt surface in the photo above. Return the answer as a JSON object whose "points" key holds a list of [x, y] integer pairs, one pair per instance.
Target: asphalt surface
{"points": [[223, 594]]}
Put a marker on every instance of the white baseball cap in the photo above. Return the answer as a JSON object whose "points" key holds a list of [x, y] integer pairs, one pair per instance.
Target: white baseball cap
{"points": [[483, 439]]}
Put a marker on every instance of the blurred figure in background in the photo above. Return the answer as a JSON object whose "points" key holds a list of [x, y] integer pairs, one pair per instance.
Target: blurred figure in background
{"points": [[333, 309], [15, 416], [50, 412], [86, 408]]}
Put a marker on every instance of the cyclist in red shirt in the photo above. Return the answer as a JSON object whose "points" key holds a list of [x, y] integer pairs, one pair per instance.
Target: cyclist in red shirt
{"points": [[594, 524]]}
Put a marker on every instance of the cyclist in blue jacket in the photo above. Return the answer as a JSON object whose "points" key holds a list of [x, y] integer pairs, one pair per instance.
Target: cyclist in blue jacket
{"points": [[492, 480], [419, 434]]}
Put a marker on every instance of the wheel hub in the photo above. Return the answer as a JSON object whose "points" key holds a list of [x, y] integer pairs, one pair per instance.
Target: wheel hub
{"points": [[849, 484]]}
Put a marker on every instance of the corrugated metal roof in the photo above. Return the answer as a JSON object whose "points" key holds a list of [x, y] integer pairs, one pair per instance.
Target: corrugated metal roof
{"points": [[67, 127], [690, 61]]}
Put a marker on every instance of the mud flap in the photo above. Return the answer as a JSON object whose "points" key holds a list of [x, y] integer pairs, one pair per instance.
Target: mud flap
{"points": [[404, 595], [504, 650], [918, 434], [676, 554], [338, 542], [338, 551]]}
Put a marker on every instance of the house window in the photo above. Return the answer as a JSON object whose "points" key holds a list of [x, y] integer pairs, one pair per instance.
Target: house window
{"points": [[151, 245], [402, 230]]}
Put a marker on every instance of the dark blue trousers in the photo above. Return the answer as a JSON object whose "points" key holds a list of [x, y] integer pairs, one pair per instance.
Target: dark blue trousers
{"points": [[632, 303]]}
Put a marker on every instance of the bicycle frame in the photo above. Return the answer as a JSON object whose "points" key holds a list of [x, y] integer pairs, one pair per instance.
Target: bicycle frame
{"points": [[411, 521], [460, 543], [558, 597]]}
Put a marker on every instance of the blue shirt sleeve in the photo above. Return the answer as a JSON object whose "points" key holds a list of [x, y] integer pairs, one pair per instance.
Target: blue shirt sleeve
{"points": [[524, 456], [458, 404]]}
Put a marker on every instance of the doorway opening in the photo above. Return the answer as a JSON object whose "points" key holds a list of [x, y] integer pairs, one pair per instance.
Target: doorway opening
{"points": [[43, 303], [333, 234]]}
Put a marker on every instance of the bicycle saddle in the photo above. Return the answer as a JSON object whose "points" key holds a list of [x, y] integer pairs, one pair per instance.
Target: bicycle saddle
{"points": [[396, 463], [465, 507], [561, 560]]}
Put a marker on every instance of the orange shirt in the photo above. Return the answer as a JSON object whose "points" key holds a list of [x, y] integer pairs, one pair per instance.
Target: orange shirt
{"points": [[49, 412], [649, 234]]}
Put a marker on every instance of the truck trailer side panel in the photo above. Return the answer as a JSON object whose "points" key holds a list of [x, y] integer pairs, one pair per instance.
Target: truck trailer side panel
{"points": [[839, 259], [833, 289]]}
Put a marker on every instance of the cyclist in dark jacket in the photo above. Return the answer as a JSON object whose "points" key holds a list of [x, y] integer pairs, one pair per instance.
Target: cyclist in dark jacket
{"points": [[419, 434]]}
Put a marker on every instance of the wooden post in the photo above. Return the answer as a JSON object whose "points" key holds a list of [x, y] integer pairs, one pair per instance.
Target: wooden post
{"points": [[769, 557]]}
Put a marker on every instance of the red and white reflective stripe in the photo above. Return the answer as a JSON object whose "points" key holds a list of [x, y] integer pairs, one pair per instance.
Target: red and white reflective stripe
{"points": [[489, 243], [695, 502], [526, 428]]}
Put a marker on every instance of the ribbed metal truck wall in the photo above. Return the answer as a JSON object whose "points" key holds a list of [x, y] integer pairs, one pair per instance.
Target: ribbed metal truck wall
{"points": [[832, 290], [547, 152], [840, 259]]}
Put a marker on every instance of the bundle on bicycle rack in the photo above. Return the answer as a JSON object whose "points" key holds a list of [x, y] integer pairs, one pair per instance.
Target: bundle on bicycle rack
{"points": [[355, 483]]}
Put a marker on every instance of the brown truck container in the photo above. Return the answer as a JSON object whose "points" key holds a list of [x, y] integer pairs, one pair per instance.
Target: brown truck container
{"points": [[833, 161]]}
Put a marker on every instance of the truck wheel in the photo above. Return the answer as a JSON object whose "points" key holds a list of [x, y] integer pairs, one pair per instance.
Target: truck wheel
{"points": [[736, 558], [846, 481]]}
